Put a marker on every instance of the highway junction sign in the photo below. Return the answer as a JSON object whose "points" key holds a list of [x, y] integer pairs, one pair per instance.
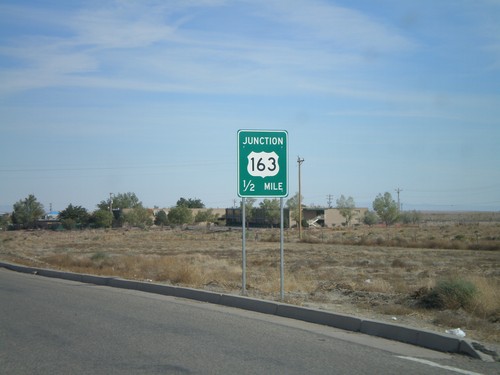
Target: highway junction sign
{"points": [[262, 163]]}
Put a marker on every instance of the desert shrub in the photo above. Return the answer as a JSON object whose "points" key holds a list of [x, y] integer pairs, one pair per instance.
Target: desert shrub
{"points": [[370, 218], [177, 270], [363, 240], [310, 239], [399, 241], [410, 217], [457, 245], [274, 236], [398, 263], [433, 243], [452, 294], [99, 256], [487, 301], [484, 246]]}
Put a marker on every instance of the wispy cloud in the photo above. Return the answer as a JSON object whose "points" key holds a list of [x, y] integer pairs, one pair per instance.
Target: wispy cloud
{"points": [[156, 47], [145, 47], [344, 27], [122, 27]]}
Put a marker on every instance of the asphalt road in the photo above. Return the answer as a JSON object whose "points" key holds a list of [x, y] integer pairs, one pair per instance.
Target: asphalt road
{"points": [[52, 326]]}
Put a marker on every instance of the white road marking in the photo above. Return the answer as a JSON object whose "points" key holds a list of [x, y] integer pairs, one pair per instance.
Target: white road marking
{"points": [[433, 364]]}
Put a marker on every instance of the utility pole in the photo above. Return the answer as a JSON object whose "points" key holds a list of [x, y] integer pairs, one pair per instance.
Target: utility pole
{"points": [[398, 190], [329, 200], [300, 161], [111, 202]]}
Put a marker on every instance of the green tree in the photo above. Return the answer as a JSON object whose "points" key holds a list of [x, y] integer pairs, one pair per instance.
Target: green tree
{"points": [[74, 216], [180, 215], [205, 216], [386, 208], [4, 221], [271, 211], [190, 203], [370, 218], [138, 217], [161, 218], [27, 212], [102, 219], [120, 201], [346, 208]]}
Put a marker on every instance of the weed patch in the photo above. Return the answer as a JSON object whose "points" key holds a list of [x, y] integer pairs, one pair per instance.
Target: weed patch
{"points": [[453, 293], [99, 256]]}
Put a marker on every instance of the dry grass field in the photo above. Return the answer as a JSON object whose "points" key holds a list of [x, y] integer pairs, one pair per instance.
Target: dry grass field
{"points": [[436, 277]]}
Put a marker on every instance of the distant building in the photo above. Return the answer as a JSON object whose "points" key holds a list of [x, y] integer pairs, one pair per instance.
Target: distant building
{"points": [[315, 217], [49, 221], [52, 215], [330, 217], [260, 218]]}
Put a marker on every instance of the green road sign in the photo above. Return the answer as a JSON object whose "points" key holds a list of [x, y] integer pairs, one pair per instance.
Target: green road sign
{"points": [[262, 163]]}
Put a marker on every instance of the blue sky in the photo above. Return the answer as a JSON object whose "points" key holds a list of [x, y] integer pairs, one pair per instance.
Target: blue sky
{"points": [[148, 96]]}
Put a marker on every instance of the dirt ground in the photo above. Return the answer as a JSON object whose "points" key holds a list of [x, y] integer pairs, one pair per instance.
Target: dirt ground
{"points": [[372, 272]]}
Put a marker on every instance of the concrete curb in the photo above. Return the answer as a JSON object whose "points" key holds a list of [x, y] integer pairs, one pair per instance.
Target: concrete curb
{"points": [[326, 318], [427, 339], [251, 304]]}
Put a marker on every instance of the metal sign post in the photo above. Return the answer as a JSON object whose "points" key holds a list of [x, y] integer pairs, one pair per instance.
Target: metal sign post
{"points": [[262, 173], [282, 254], [243, 247]]}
